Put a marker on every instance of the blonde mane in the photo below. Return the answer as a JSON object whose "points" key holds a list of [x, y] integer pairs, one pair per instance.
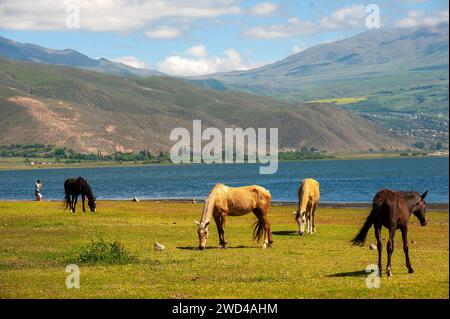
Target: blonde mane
{"points": [[217, 198], [308, 189]]}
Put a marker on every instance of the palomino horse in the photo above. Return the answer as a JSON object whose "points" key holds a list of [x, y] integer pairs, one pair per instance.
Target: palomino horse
{"points": [[75, 187], [226, 201], [308, 199], [393, 209]]}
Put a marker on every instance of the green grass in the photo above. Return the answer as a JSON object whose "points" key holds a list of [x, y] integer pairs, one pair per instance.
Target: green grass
{"points": [[341, 100], [99, 251], [33, 258]]}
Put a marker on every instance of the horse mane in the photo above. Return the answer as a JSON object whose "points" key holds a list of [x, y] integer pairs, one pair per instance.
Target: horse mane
{"points": [[87, 188], [216, 197], [309, 187], [303, 199]]}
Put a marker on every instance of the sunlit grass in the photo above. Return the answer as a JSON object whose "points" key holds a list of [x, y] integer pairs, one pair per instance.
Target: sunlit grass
{"points": [[342, 100], [38, 241]]}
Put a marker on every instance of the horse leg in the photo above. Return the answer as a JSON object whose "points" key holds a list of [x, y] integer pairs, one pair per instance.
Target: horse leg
{"points": [[218, 220], [313, 217], [390, 250], [71, 200], [75, 203], [83, 198], [267, 227], [404, 231], [308, 222], [379, 248], [223, 220]]}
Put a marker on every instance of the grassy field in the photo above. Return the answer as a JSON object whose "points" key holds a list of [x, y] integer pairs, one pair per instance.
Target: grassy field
{"points": [[341, 100], [38, 240]]}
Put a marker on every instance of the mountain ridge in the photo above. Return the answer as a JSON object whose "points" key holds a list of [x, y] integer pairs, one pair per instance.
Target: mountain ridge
{"points": [[396, 77], [34, 53], [89, 111]]}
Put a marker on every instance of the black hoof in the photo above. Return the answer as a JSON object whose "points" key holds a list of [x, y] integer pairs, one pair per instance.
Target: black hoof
{"points": [[410, 271]]}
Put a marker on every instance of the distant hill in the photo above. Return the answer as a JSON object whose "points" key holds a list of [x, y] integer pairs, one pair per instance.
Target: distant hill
{"points": [[33, 53], [88, 111], [395, 77]]}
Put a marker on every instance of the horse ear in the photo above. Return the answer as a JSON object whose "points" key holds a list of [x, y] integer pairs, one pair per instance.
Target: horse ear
{"points": [[294, 212], [424, 195], [196, 222]]}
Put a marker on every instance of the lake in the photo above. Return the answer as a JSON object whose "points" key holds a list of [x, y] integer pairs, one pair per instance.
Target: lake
{"points": [[340, 180]]}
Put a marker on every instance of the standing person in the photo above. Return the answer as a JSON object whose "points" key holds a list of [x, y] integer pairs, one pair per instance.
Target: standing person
{"points": [[37, 190]]}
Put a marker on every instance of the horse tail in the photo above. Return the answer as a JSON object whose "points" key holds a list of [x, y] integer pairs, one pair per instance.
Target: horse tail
{"points": [[66, 200], [259, 230], [360, 238]]}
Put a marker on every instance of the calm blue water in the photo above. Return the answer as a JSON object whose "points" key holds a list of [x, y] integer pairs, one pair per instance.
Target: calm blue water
{"points": [[340, 180]]}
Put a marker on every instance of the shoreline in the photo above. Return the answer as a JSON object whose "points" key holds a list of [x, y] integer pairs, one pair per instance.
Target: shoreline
{"points": [[276, 203], [337, 157]]}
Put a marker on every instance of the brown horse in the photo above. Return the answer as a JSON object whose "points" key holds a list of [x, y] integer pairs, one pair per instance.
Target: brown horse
{"points": [[76, 187], [226, 201], [393, 209], [308, 199]]}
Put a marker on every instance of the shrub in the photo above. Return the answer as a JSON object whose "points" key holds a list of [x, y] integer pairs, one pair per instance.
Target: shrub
{"points": [[102, 252]]}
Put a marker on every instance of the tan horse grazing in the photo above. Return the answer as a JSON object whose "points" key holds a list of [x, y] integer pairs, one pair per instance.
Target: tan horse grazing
{"points": [[308, 199], [226, 201]]}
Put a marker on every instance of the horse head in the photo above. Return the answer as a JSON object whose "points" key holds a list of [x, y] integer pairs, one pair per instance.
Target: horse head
{"points": [[203, 232], [92, 203], [301, 219], [420, 209]]}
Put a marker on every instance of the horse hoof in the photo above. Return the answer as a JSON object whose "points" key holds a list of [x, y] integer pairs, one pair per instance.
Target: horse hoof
{"points": [[389, 273], [410, 271]]}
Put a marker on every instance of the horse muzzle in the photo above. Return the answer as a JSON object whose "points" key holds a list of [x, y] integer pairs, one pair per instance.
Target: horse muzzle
{"points": [[201, 247], [423, 222]]}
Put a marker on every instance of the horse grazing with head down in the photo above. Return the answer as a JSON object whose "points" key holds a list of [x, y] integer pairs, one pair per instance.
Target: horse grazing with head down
{"points": [[75, 187], [226, 201], [393, 209], [308, 199]]}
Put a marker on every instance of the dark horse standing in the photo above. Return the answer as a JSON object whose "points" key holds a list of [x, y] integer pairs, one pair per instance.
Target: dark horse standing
{"points": [[393, 209], [75, 187]]}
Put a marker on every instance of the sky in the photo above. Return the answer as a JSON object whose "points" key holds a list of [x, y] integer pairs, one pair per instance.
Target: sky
{"points": [[187, 37]]}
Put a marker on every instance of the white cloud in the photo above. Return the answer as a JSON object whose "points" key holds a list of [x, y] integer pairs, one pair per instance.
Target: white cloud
{"points": [[263, 9], [163, 32], [342, 18], [108, 15], [131, 61], [293, 27], [198, 51], [196, 61], [416, 18], [351, 16]]}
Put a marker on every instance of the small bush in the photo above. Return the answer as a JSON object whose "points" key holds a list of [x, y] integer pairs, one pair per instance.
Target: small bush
{"points": [[102, 252]]}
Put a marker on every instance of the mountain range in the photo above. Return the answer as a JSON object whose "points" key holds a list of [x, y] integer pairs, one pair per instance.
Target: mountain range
{"points": [[397, 77], [89, 111], [381, 89], [35, 53]]}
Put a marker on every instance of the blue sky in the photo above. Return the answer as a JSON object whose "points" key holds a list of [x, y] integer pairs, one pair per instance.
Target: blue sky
{"points": [[203, 36]]}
